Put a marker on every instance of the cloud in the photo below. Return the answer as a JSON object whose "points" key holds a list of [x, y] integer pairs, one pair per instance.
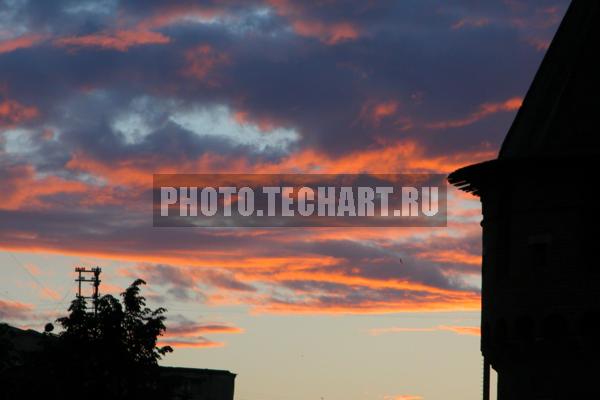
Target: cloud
{"points": [[13, 113], [165, 15], [484, 111], [183, 332], [200, 342], [186, 330], [272, 75], [540, 44], [20, 42], [307, 24], [328, 286], [183, 327], [14, 310], [120, 40], [460, 330], [201, 61], [25, 190], [50, 294], [535, 22], [330, 34], [369, 302], [470, 22], [457, 256], [374, 112], [219, 122], [402, 397], [306, 271], [463, 330], [184, 280], [258, 87]]}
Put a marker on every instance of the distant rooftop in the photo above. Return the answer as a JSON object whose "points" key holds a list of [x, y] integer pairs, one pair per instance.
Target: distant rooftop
{"points": [[196, 371]]}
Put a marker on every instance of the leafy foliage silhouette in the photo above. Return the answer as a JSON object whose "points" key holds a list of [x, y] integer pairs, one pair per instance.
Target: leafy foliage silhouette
{"points": [[130, 330], [111, 353]]}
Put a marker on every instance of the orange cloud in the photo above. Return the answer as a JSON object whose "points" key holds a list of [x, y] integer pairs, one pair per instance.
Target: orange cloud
{"points": [[327, 33], [540, 44], [191, 265], [25, 190], [452, 256], [13, 113], [460, 330], [373, 112], [402, 156], [402, 397], [188, 334], [281, 275], [199, 343], [386, 109], [201, 61], [143, 32], [187, 330], [470, 22], [50, 294], [459, 302], [254, 265], [120, 40], [484, 111], [171, 14], [33, 269], [14, 310], [21, 42]]}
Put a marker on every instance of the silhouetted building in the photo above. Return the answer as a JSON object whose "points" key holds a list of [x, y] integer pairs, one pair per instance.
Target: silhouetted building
{"points": [[541, 276], [17, 346], [197, 384]]}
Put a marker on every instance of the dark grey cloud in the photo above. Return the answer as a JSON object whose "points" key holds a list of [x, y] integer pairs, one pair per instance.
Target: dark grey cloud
{"points": [[115, 235], [404, 49], [434, 60]]}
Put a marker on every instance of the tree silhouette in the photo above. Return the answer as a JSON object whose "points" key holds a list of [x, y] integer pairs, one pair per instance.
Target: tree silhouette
{"points": [[111, 353], [129, 330]]}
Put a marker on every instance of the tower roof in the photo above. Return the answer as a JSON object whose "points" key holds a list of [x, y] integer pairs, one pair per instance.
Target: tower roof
{"points": [[558, 124], [560, 115]]}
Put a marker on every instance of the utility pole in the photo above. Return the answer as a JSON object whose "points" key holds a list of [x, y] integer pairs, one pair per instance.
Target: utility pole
{"points": [[94, 280]]}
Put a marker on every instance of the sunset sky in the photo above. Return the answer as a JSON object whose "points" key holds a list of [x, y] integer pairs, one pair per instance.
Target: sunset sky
{"points": [[96, 96]]}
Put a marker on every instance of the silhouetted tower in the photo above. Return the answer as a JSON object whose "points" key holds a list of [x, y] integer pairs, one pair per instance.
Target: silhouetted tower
{"points": [[541, 273], [94, 280]]}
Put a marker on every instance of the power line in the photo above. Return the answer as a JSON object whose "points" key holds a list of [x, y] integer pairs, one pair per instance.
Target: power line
{"points": [[9, 297], [36, 280], [62, 300]]}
